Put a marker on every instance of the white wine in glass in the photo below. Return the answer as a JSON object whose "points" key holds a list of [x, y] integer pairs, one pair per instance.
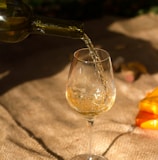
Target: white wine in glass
{"points": [[90, 88]]}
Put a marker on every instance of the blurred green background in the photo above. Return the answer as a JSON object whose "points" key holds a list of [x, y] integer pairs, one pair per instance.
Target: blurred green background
{"points": [[90, 9]]}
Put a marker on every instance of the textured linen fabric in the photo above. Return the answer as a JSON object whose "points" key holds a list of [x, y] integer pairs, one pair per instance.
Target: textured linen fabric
{"points": [[36, 122]]}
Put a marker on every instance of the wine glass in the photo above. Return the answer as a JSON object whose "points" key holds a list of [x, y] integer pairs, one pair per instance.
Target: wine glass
{"points": [[90, 88]]}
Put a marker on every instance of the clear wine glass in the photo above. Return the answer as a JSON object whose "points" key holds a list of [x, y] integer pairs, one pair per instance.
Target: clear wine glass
{"points": [[90, 88]]}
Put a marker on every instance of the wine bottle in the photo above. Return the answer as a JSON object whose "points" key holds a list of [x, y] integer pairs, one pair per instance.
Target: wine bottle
{"points": [[17, 22]]}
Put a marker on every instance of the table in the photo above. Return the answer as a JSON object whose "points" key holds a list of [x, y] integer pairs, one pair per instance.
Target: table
{"points": [[35, 118]]}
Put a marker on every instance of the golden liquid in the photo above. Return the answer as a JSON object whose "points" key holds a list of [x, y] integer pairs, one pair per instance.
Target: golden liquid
{"points": [[89, 105]]}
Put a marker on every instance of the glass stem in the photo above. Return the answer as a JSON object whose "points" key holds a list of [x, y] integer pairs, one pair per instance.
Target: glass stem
{"points": [[90, 126]]}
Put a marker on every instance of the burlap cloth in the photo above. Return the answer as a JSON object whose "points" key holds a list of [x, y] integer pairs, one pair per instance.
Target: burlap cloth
{"points": [[36, 122]]}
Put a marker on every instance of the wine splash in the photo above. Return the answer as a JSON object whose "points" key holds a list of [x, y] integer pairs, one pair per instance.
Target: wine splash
{"points": [[95, 57]]}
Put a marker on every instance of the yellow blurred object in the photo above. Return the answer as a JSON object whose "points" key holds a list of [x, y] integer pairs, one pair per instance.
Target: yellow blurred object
{"points": [[150, 124], [150, 102]]}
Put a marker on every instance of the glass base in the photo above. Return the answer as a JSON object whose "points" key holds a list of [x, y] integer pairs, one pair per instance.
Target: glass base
{"points": [[88, 157]]}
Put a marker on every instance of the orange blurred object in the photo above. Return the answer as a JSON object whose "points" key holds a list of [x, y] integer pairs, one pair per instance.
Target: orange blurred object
{"points": [[148, 111], [147, 120]]}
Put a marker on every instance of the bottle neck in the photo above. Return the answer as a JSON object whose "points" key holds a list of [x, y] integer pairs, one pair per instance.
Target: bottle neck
{"points": [[63, 28]]}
